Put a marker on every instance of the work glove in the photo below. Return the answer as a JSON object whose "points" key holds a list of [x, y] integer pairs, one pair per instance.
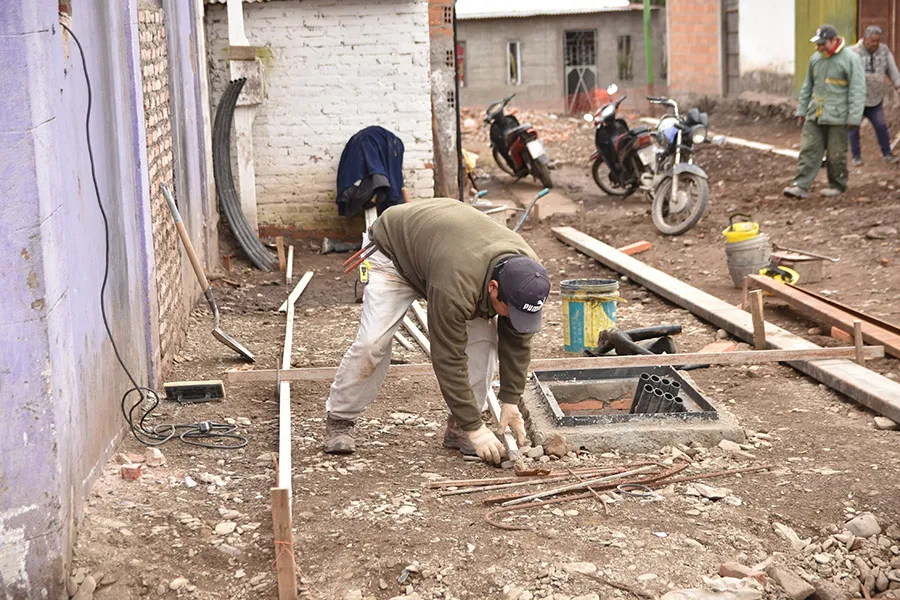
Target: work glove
{"points": [[801, 121], [512, 417], [487, 446]]}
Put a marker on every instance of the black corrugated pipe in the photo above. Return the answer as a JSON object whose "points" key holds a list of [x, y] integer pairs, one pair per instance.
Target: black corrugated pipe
{"points": [[228, 198]]}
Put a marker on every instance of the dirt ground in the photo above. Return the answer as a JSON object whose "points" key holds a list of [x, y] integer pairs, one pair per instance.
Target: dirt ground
{"points": [[361, 520]]}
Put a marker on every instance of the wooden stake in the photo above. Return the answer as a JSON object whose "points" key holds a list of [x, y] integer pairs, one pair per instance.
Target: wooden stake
{"points": [[402, 340], [858, 342], [284, 544], [279, 245], [289, 270], [745, 297], [417, 335], [298, 289], [759, 321], [421, 315]]}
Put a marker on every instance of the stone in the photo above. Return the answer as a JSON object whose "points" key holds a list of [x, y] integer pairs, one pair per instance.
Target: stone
{"points": [[353, 595], [154, 457], [556, 446], [406, 509], [647, 577], [86, 589], [739, 571], [729, 446], [526, 595], [586, 597], [511, 592], [826, 590], [178, 583], [189, 482], [721, 334], [226, 527], [713, 493], [885, 424], [583, 568], [536, 452], [790, 582], [881, 583], [881, 233], [791, 537], [131, 471], [863, 526]]}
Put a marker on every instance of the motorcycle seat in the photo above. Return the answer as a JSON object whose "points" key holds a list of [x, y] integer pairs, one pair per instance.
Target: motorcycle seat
{"points": [[515, 131], [639, 130]]}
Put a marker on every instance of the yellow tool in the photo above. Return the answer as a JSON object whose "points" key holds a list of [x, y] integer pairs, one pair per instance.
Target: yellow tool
{"points": [[364, 272], [779, 273]]}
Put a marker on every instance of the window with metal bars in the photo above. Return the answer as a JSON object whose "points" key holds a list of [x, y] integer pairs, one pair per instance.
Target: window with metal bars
{"points": [[513, 63], [581, 49]]}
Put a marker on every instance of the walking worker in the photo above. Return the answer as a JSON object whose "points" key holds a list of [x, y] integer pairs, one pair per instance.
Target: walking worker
{"points": [[485, 292], [878, 62], [832, 100]]}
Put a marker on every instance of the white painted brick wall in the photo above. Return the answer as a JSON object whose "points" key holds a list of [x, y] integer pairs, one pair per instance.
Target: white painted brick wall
{"points": [[338, 66]]}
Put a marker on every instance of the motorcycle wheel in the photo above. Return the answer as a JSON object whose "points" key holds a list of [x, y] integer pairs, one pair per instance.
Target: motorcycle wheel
{"points": [[501, 162], [696, 202], [600, 171], [542, 172]]}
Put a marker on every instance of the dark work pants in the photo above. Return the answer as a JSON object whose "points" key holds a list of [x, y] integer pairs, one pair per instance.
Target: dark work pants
{"points": [[875, 115]]}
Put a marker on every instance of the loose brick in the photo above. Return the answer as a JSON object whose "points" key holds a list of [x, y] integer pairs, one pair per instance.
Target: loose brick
{"points": [[131, 471], [739, 571]]}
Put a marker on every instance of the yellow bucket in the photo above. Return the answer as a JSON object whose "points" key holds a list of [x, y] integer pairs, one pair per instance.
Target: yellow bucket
{"points": [[740, 231], [588, 307]]}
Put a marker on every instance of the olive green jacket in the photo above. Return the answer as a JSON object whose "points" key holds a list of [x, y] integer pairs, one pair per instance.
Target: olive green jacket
{"points": [[447, 251], [834, 91]]}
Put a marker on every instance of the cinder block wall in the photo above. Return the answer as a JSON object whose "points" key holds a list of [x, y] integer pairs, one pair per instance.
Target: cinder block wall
{"points": [[695, 50], [332, 68]]}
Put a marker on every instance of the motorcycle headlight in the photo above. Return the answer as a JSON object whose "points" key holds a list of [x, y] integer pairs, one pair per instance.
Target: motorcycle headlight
{"points": [[698, 135]]}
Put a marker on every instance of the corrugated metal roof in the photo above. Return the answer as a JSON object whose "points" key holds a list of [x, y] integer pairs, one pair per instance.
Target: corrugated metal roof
{"points": [[499, 9]]}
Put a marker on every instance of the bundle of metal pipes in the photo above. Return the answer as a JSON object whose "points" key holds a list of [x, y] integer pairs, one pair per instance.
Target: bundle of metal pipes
{"points": [[655, 394]]}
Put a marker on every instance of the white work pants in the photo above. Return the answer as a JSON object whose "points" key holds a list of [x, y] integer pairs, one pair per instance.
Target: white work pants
{"points": [[386, 299]]}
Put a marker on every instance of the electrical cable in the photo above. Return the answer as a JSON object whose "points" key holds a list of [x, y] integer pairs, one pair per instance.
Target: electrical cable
{"points": [[217, 435]]}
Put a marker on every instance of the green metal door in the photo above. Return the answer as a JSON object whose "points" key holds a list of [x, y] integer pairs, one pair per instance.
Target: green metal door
{"points": [[812, 13]]}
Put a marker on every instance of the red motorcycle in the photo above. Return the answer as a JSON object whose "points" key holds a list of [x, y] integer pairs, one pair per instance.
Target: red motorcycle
{"points": [[516, 148]]}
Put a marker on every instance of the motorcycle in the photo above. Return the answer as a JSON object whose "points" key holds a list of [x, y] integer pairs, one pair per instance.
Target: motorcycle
{"points": [[516, 148], [659, 163]]}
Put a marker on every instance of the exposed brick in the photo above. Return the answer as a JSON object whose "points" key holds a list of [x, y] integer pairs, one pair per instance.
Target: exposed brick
{"points": [[336, 67]]}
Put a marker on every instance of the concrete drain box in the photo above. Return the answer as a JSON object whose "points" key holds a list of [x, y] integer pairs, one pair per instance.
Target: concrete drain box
{"points": [[590, 407]]}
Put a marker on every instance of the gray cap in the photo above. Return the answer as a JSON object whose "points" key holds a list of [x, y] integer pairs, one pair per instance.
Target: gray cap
{"points": [[525, 287]]}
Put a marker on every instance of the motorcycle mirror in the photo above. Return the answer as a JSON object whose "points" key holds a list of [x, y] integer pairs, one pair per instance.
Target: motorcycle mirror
{"points": [[589, 117], [612, 89]]}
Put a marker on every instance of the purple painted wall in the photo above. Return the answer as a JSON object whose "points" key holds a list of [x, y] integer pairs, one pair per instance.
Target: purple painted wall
{"points": [[60, 385]]}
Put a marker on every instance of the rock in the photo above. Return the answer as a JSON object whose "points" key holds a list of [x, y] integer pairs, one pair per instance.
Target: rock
{"points": [[226, 527], [511, 592], [826, 590], [739, 571], [713, 493], [526, 595], [881, 233], [189, 482], [729, 446], [863, 526], [647, 577], [885, 424], [584, 568], [178, 583], [71, 586], [587, 597], [791, 537], [229, 550], [721, 334], [536, 452], [881, 583], [154, 457], [131, 471], [791, 583], [353, 595], [382, 584], [814, 331], [406, 509], [556, 446], [86, 589]]}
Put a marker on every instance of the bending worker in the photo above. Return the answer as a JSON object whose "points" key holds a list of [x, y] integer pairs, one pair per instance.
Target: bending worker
{"points": [[485, 291]]}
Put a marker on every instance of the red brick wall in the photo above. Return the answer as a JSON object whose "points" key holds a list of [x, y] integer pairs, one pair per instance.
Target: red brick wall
{"points": [[695, 56]]}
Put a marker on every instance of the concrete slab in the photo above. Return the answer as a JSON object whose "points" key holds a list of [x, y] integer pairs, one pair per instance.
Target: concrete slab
{"points": [[649, 435]]}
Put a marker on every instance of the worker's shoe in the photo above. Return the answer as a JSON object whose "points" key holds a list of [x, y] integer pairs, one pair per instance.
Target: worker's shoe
{"points": [[830, 192], [338, 436], [795, 191], [457, 439], [890, 159], [858, 162]]}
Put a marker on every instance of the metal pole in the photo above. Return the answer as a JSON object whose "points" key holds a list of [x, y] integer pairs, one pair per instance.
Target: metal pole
{"points": [[648, 44]]}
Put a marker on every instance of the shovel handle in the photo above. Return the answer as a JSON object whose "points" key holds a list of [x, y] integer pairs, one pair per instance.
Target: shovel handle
{"points": [[182, 233]]}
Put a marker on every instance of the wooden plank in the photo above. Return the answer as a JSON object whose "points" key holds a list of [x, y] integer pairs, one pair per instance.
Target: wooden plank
{"points": [[417, 335], [285, 566], [859, 383], [298, 289], [826, 313], [759, 320], [402, 340], [279, 245], [421, 315], [289, 270], [858, 342], [602, 362]]}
